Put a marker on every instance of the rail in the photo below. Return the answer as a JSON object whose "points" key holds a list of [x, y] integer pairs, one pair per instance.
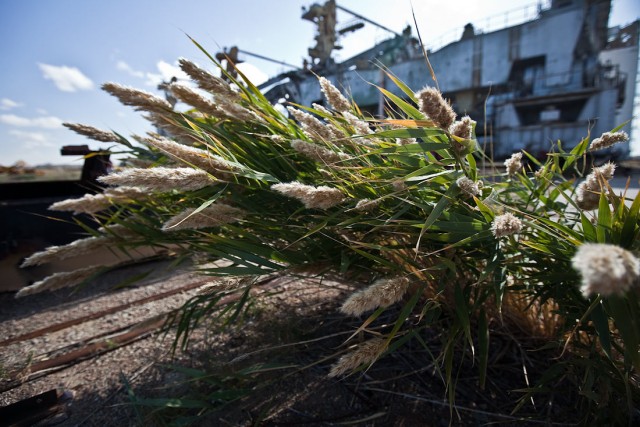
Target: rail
{"points": [[491, 23]]}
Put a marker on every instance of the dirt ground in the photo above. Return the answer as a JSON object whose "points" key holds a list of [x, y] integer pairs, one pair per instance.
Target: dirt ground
{"points": [[267, 369]]}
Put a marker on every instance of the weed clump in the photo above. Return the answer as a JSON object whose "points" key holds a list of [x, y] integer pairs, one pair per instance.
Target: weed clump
{"points": [[400, 202]]}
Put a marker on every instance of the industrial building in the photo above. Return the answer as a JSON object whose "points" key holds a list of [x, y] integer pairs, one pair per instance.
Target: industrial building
{"points": [[559, 74]]}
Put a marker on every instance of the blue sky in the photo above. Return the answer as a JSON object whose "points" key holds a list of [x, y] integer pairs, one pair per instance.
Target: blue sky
{"points": [[56, 54]]}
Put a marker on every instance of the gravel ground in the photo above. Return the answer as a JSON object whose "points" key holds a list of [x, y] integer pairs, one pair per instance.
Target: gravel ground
{"points": [[100, 385], [91, 379], [288, 339]]}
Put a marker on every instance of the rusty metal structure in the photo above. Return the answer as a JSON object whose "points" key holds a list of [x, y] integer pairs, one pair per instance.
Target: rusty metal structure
{"points": [[559, 73]]}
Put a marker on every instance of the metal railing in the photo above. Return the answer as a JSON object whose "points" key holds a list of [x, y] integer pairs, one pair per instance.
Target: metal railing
{"points": [[491, 23]]}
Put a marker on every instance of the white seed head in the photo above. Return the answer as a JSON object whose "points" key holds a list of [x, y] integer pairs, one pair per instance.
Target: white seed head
{"points": [[435, 107], [463, 128], [73, 249], [160, 178], [605, 269], [506, 225], [367, 205], [202, 159], [316, 152], [513, 164], [60, 280], [321, 197], [588, 192], [89, 203], [207, 81], [140, 100], [93, 133], [608, 139], [313, 127], [333, 96], [365, 354], [469, 187], [195, 99], [361, 127], [382, 293]]}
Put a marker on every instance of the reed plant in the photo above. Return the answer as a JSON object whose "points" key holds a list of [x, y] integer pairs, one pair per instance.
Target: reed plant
{"points": [[402, 205]]}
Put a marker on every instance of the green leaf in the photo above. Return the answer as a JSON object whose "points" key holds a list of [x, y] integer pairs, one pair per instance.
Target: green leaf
{"points": [[604, 220], [588, 229], [629, 231], [412, 132], [462, 312], [442, 204], [407, 108], [627, 324], [601, 324]]}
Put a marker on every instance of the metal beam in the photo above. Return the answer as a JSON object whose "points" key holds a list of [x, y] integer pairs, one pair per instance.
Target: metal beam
{"points": [[366, 19], [268, 59]]}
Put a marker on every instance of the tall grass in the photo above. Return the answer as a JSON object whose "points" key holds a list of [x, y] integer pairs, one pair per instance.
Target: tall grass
{"points": [[401, 202]]}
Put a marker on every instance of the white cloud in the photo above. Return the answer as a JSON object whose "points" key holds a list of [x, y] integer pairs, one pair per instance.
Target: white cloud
{"points": [[253, 73], [166, 72], [67, 79], [123, 66], [46, 122], [8, 104], [31, 139]]}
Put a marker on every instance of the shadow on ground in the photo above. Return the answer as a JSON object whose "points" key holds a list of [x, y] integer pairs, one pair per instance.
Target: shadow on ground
{"points": [[271, 369]]}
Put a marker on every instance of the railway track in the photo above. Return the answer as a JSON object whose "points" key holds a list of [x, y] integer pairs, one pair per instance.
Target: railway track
{"points": [[105, 339]]}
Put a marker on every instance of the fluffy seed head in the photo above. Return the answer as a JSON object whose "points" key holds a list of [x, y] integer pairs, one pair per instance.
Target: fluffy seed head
{"points": [[382, 293], [193, 98], [212, 216], [321, 197], [316, 152], [207, 81], [361, 127], [588, 192], [60, 280], [333, 95], [587, 199], [608, 139], [92, 203], [121, 194], [160, 178], [235, 111], [367, 205], [605, 269], [463, 128], [513, 164], [321, 109], [73, 249], [311, 126], [365, 354], [140, 100], [540, 173], [506, 225], [468, 187], [89, 203], [434, 106], [93, 133], [202, 159]]}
